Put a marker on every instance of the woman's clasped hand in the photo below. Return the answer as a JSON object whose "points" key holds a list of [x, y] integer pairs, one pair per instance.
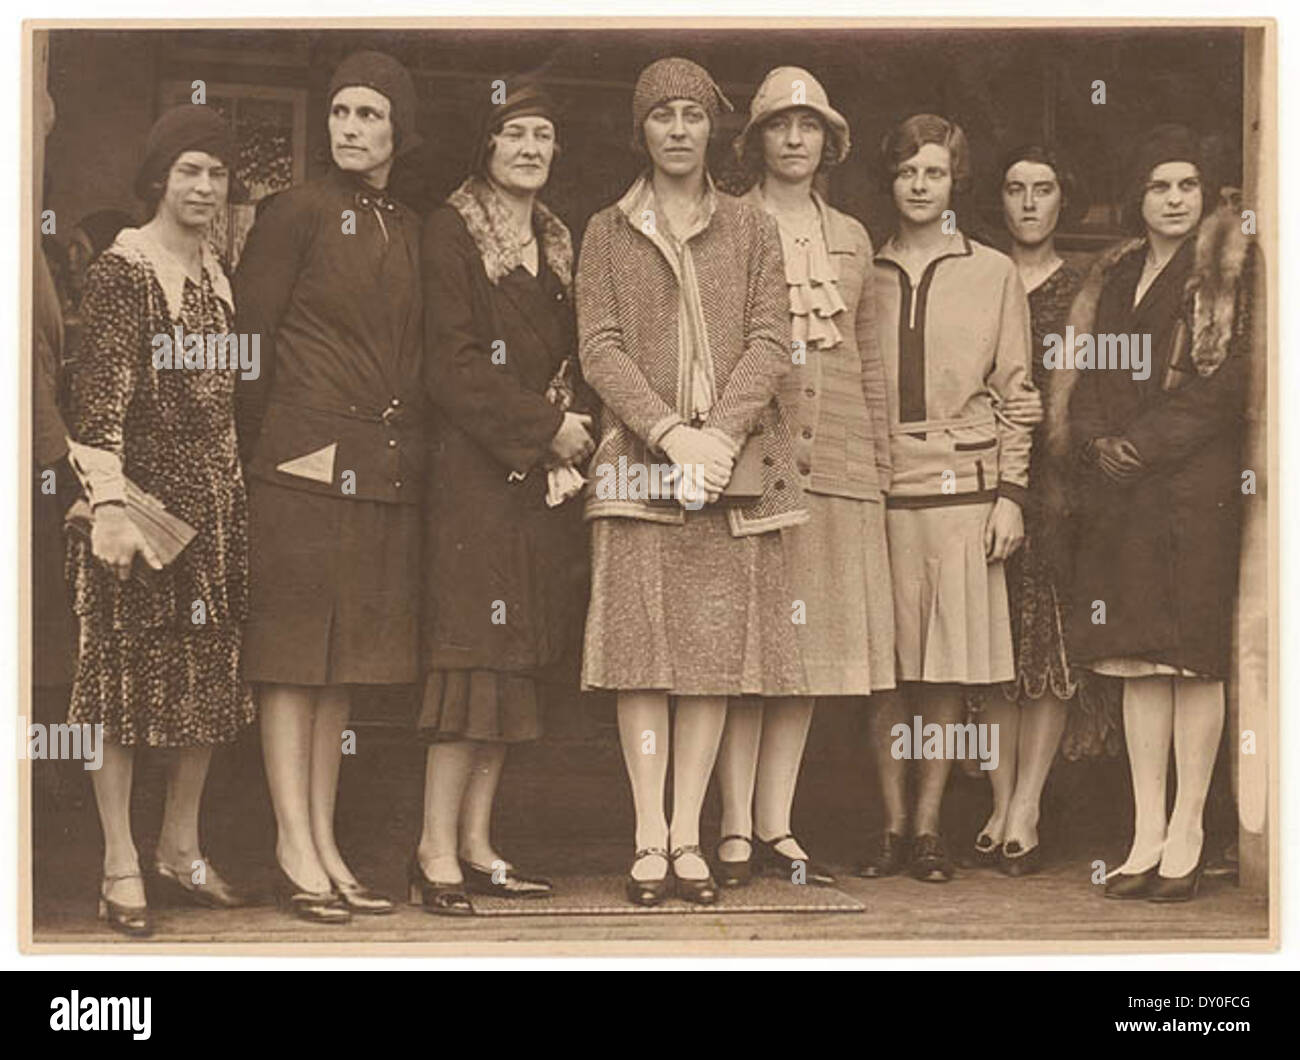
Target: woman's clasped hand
{"points": [[703, 458], [572, 443]]}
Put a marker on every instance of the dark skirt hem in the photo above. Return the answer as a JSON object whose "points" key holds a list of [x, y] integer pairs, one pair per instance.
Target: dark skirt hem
{"points": [[485, 705]]}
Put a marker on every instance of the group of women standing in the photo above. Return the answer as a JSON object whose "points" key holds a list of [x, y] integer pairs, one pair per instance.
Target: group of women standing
{"points": [[857, 425]]}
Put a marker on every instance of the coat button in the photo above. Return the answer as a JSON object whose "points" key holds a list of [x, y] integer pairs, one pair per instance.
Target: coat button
{"points": [[804, 467], [768, 461], [807, 432], [398, 484], [809, 392], [392, 443], [352, 408], [395, 402], [779, 484]]}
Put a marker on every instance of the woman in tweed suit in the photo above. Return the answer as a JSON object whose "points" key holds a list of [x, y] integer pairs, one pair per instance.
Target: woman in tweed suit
{"points": [[835, 396], [689, 596]]}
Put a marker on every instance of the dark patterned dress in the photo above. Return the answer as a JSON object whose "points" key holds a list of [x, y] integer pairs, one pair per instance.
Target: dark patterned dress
{"points": [[1036, 599], [159, 664]]}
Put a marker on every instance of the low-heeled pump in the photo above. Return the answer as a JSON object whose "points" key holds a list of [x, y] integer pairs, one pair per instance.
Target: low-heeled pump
{"points": [[131, 920], [701, 892], [773, 861], [441, 899], [649, 892], [315, 907]]}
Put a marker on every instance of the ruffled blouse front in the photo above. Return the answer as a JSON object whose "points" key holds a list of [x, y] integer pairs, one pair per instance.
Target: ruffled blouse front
{"points": [[813, 286]]}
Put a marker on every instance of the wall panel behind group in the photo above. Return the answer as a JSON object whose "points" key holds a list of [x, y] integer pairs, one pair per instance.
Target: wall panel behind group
{"points": [[103, 85]]}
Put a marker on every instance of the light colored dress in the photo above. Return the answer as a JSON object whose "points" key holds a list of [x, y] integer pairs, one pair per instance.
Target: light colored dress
{"points": [[838, 562]]}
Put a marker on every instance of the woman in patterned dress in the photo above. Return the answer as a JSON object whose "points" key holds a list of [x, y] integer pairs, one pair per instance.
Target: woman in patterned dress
{"points": [[1036, 192], [159, 658]]}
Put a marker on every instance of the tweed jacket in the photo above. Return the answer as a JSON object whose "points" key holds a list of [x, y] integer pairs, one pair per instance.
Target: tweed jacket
{"points": [[628, 300], [950, 346], [836, 399]]}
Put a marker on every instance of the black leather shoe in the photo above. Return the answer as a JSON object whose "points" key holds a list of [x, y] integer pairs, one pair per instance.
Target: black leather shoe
{"points": [[316, 907], [1013, 863], [930, 862], [888, 859], [649, 892], [1176, 888], [213, 893], [735, 873], [771, 859], [701, 892], [132, 920], [987, 852], [361, 899], [511, 884], [441, 899], [1131, 885]]}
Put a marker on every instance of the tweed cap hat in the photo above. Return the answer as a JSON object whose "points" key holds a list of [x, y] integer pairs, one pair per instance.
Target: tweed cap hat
{"points": [[788, 87], [388, 77], [189, 127], [674, 78]]}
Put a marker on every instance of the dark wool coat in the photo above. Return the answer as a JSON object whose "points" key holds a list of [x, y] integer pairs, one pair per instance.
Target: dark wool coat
{"points": [[1161, 550], [337, 308], [504, 574]]}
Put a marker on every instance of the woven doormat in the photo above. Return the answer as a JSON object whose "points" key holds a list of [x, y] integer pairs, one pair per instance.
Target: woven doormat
{"points": [[606, 896]]}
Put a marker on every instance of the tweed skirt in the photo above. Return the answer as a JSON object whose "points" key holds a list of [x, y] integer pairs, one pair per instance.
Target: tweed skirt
{"points": [[952, 623], [690, 610], [838, 566], [334, 589]]}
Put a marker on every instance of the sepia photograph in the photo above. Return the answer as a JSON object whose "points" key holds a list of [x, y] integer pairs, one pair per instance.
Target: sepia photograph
{"points": [[649, 486]]}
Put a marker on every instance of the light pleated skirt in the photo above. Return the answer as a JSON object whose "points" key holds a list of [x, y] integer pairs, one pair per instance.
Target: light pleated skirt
{"points": [[838, 566], [952, 623]]}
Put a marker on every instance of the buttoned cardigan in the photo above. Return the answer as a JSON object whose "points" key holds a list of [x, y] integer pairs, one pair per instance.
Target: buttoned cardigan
{"points": [[836, 399]]}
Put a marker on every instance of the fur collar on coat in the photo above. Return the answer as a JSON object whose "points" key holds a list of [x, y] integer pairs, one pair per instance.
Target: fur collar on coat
{"points": [[1211, 291], [489, 226]]}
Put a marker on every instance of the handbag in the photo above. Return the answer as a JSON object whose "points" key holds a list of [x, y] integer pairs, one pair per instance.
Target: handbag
{"points": [[746, 482], [165, 533]]}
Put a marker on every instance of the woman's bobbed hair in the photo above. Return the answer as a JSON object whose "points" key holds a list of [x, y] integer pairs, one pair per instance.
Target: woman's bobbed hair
{"points": [[911, 134], [1074, 200]]}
